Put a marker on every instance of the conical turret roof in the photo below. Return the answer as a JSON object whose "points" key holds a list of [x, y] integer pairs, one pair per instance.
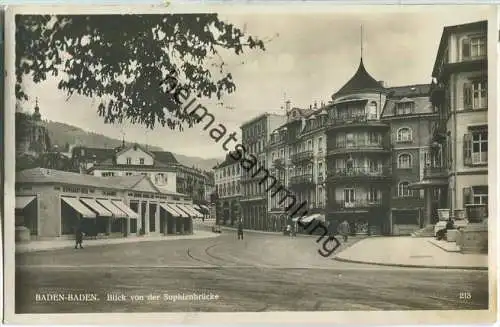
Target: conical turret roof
{"points": [[361, 82]]}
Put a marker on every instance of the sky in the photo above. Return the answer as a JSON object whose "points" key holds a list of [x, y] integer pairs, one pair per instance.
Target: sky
{"points": [[309, 57]]}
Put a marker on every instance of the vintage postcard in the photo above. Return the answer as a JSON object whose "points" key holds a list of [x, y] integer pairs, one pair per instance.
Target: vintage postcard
{"points": [[250, 163]]}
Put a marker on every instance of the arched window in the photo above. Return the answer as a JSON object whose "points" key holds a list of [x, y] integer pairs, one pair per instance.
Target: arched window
{"points": [[404, 134], [404, 189], [404, 160], [372, 110]]}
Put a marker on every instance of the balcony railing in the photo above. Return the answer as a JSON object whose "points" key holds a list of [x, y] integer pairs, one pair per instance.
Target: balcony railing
{"points": [[301, 179], [341, 204], [435, 172], [302, 156], [353, 119], [343, 147], [385, 171]]}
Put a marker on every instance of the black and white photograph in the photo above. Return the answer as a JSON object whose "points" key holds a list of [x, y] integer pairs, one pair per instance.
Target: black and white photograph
{"points": [[235, 159]]}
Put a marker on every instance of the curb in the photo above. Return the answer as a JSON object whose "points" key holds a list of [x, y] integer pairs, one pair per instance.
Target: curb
{"points": [[443, 248], [410, 266], [142, 240]]}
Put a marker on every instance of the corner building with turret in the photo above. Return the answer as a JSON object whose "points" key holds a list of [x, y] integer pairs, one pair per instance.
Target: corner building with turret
{"points": [[376, 147]]}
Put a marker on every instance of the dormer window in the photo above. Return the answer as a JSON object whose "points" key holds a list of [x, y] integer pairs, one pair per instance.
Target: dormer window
{"points": [[405, 108], [141, 161], [129, 161]]}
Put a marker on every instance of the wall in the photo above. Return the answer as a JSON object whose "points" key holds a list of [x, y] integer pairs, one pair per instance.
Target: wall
{"points": [[467, 181]]}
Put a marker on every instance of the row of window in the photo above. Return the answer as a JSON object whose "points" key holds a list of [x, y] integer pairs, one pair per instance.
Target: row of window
{"points": [[255, 130], [228, 171], [228, 189]]}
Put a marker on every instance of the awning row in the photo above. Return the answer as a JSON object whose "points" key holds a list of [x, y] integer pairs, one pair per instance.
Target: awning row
{"points": [[181, 210], [90, 208]]}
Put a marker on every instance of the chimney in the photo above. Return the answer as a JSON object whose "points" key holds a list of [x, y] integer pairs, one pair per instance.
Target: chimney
{"points": [[382, 83], [287, 105], [315, 105]]}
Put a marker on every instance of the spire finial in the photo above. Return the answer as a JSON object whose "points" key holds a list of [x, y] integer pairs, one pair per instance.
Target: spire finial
{"points": [[361, 41]]}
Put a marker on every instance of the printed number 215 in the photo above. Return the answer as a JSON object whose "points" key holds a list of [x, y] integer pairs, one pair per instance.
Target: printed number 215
{"points": [[465, 296]]}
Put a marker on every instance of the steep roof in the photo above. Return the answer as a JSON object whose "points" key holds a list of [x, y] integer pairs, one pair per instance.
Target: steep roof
{"points": [[409, 91], [227, 162], [479, 25], [165, 157], [418, 94], [361, 82]]}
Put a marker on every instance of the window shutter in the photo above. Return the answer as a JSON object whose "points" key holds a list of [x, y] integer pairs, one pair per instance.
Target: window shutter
{"points": [[467, 149], [467, 96], [466, 48], [467, 196]]}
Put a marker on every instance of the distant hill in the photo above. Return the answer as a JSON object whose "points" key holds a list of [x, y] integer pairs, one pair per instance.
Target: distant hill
{"points": [[63, 135]]}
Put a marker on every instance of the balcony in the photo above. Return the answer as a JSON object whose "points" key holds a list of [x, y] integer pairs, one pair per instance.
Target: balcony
{"points": [[339, 205], [350, 120], [408, 202], [343, 147], [435, 172], [301, 180], [367, 173], [302, 156]]}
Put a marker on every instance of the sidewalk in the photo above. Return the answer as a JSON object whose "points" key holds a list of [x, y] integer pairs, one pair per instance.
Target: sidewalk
{"points": [[35, 246], [409, 252]]}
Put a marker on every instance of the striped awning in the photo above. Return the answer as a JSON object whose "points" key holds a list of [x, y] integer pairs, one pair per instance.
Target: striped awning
{"points": [[79, 207], [170, 210], [182, 212], [117, 213], [23, 201], [191, 210], [125, 208], [96, 207]]}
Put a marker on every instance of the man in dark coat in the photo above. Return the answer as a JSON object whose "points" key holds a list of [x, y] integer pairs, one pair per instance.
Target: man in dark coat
{"points": [[240, 230], [79, 237]]}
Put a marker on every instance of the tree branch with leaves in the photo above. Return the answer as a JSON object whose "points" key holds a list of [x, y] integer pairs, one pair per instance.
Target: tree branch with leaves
{"points": [[124, 60]]}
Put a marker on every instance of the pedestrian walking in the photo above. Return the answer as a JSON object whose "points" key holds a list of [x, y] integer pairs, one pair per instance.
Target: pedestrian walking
{"points": [[240, 230], [79, 237], [344, 229]]}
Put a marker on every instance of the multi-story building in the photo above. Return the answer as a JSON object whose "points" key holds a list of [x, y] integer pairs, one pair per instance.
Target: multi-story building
{"points": [[228, 188], [296, 154], [255, 137], [162, 167], [409, 113], [359, 156], [458, 173], [377, 145]]}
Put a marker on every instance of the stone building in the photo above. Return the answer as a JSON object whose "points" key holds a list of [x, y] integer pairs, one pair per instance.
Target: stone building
{"points": [[51, 203], [457, 176], [228, 188], [255, 138]]}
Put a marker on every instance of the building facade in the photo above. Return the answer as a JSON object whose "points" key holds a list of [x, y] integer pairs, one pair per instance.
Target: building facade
{"points": [[296, 153], [228, 187], [255, 137], [410, 114], [52, 203], [377, 146], [161, 166], [458, 173]]}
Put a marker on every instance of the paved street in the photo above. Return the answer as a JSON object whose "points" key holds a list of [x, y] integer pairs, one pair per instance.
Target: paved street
{"points": [[262, 273]]}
